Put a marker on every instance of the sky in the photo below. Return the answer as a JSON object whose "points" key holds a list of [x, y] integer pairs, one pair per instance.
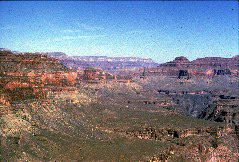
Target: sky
{"points": [[161, 30]]}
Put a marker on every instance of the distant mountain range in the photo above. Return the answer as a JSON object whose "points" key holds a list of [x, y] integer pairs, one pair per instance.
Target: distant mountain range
{"points": [[104, 62], [118, 63]]}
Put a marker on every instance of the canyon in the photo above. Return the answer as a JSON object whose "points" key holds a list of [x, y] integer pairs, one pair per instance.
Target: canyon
{"points": [[54, 107]]}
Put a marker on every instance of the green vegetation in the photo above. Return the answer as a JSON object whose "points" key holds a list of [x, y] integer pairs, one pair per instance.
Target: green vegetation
{"points": [[107, 128]]}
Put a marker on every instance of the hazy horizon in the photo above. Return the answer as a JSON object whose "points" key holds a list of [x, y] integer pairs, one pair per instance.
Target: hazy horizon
{"points": [[160, 30]]}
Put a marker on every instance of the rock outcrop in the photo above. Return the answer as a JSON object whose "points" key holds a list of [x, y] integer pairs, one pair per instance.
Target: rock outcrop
{"points": [[25, 76], [192, 104], [208, 66]]}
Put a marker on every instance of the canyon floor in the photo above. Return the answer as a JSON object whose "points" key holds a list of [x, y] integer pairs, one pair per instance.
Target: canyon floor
{"points": [[116, 122]]}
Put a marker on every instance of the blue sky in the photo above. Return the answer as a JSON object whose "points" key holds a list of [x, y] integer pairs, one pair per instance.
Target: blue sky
{"points": [[161, 30]]}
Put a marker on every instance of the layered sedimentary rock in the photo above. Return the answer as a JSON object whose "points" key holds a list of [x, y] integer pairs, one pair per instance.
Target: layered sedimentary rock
{"points": [[44, 116], [27, 75], [208, 66], [103, 62]]}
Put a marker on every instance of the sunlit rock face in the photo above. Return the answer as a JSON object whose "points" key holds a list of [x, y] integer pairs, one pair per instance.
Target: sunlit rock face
{"points": [[25, 76], [23, 63], [178, 61], [97, 74], [59, 78], [16, 84], [217, 61], [208, 66], [45, 115], [4, 100]]}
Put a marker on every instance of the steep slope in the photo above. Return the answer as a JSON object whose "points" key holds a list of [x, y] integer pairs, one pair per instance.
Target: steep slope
{"points": [[59, 129], [27, 76], [46, 116]]}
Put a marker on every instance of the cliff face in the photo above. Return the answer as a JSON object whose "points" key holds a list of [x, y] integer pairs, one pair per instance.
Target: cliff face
{"points": [[217, 61], [220, 109], [193, 105], [44, 116], [24, 63], [204, 62], [207, 66], [224, 110], [26, 76]]}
